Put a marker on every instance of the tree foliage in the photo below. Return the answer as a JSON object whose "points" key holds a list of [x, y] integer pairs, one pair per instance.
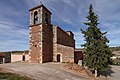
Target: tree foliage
{"points": [[97, 53]]}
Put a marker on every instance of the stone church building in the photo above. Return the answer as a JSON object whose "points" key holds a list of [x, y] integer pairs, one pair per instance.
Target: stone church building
{"points": [[48, 42]]}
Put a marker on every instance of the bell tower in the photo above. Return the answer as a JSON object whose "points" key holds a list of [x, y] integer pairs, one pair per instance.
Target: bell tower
{"points": [[40, 43], [39, 15]]}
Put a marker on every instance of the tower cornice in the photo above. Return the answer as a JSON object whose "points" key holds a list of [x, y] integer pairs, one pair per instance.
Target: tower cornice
{"points": [[41, 5]]}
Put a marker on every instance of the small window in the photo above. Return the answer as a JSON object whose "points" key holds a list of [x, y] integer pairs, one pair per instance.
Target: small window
{"points": [[35, 17], [35, 45]]}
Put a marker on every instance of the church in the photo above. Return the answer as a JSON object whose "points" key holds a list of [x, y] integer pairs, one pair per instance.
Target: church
{"points": [[48, 42]]}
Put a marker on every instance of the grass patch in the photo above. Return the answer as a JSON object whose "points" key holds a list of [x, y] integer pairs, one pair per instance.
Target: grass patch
{"points": [[11, 76]]}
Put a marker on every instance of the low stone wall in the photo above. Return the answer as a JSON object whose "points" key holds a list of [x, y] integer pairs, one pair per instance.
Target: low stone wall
{"points": [[19, 57], [5, 57], [13, 56]]}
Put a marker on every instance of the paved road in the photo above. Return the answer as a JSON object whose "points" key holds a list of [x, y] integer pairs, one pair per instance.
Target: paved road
{"points": [[116, 73], [46, 71]]}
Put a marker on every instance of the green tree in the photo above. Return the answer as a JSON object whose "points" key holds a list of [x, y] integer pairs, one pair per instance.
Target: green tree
{"points": [[97, 53]]}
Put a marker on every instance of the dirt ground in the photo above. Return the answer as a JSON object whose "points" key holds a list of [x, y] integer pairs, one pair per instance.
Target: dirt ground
{"points": [[46, 71], [115, 73]]}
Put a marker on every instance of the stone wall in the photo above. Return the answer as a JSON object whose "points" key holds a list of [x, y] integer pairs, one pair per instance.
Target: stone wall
{"points": [[64, 39], [47, 43], [5, 57], [14, 56], [66, 52], [63, 45], [35, 44], [41, 43]]}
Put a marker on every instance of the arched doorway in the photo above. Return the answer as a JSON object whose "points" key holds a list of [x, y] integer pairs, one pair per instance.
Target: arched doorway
{"points": [[58, 58]]}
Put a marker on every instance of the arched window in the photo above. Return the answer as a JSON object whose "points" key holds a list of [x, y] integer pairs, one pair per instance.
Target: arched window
{"points": [[35, 17], [46, 17]]}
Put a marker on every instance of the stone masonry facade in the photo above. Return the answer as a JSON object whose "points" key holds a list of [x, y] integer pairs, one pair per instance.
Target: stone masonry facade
{"points": [[48, 42], [63, 45]]}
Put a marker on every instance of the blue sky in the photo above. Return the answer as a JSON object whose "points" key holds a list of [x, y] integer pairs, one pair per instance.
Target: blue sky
{"points": [[68, 14]]}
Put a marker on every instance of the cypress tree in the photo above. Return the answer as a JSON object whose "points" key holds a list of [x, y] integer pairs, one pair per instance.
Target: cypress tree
{"points": [[97, 53]]}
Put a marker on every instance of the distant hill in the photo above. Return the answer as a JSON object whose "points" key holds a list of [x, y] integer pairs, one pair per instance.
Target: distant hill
{"points": [[115, 48], [8, 52], [111, 48]]}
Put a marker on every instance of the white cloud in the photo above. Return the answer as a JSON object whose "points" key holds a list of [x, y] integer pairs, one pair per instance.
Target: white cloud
{"points": [[14, 31], [12, 36]]}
